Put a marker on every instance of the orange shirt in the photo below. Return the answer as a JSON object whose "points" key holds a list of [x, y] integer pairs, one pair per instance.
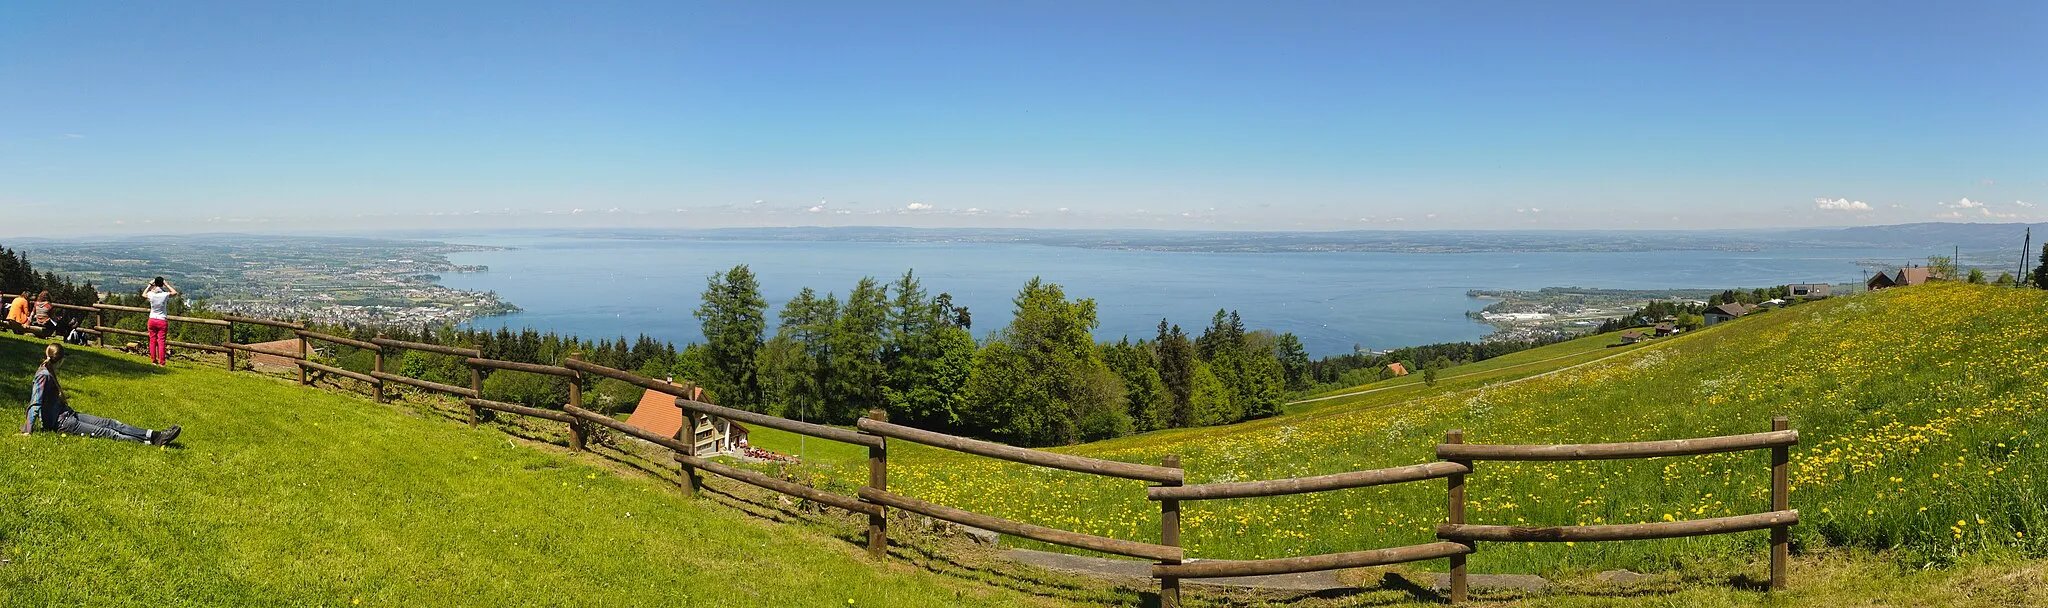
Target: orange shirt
{"points": [[18, 312]]}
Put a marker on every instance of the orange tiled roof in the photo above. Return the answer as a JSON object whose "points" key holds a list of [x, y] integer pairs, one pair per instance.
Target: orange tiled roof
{"points": [[657, 413]]}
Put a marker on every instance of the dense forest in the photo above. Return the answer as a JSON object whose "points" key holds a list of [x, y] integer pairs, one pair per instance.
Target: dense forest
{"points": [[17, 275], [1040, 379]]}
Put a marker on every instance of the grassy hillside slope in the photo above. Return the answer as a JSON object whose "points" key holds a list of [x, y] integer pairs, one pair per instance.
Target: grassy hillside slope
{"points": [[1920, 412], [281, 495]]}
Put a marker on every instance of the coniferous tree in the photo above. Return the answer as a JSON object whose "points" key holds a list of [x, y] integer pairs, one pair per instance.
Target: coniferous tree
{"points": [[734, 315], [1293, 361], [1175, 357], [2040, 279], [858, 338], [1145, 394], [927, 357], [796, 364]]}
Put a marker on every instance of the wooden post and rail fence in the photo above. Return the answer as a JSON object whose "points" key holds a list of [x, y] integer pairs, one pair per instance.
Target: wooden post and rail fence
{"points": [[1458, 539]]}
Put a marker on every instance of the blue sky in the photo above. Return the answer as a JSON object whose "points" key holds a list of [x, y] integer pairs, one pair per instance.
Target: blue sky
{"points": [[169, 117]]}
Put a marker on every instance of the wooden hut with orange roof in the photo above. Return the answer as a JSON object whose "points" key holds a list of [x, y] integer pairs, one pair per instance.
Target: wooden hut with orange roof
{"points": [[657, 413]]}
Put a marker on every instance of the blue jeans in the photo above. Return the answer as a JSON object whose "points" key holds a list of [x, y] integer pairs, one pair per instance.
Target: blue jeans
{"points": [[81, 423]]}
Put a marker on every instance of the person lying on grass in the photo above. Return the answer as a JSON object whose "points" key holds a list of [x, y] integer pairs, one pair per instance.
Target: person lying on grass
{"points": [[46, 401]]}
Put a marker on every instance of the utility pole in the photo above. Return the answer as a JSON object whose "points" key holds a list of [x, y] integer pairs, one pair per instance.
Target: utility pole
{"points": [[2026, 247]]}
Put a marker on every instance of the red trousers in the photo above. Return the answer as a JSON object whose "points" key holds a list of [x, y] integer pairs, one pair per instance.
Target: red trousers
{"points": [[158, 328]]}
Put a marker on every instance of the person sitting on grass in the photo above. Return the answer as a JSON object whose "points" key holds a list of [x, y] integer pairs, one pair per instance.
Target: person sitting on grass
{"points": [[40, 315], [18, 310], [46, 401]]}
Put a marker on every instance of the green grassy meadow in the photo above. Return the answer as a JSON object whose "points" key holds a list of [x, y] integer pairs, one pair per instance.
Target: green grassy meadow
{"points": [[1920, 412], [282, 495]]}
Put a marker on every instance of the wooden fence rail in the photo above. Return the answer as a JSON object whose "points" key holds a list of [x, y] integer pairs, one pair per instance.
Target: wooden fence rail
{"points": [[1034, 532], [1302, 485], [433, 386], [329, 369], [1648, 531], [261, 321], [1779, 520], [1078, 464], [314, 335], [1615, 451], [432, 348], [1313, 563], [1458, 538]]}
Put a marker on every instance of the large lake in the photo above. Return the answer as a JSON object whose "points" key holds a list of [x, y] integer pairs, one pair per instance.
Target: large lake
{"points": [[603, 287]]}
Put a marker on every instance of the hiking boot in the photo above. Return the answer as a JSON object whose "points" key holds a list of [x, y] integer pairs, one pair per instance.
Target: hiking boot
{"points": [[166, 436]]}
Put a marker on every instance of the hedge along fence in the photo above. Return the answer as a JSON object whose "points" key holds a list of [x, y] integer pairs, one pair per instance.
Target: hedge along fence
{"points": [[1459, 537]]}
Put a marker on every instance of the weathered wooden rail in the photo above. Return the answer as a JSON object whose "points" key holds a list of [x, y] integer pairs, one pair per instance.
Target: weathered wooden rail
{"points": [[1303, 485], [1167, 552], [1458, 538], [1778, 520]]}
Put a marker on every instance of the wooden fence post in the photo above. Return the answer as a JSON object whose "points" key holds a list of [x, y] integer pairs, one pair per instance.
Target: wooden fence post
{"points": [[576, 399], [379, 384], [476, 383], [688, 435], [878, 478], [99, 324], [1455, 508], [1781, 536], [1169, 535], [302, 357], [230, 339]]}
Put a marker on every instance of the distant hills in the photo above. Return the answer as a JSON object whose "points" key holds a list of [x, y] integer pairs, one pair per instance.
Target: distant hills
{"points": [[1982, 239], [1923, 236]]}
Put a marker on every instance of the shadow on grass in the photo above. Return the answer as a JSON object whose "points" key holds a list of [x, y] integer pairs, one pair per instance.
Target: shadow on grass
{"points": [[20, 356]]}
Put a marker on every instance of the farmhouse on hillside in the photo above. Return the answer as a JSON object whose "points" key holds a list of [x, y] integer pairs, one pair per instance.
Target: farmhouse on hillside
{"points": [[1632, 337], [1666, 329], [1910, 275], [1809, 290], [657, 413], [1725, 312], [1397, 369]]}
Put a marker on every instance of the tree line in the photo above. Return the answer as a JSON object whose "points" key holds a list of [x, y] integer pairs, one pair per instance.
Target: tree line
{"points": [[17, 275], [1041, 379]]}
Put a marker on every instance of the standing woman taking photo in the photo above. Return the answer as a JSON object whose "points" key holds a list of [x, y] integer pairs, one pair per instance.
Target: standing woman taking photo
{"points": [[159, 293]]}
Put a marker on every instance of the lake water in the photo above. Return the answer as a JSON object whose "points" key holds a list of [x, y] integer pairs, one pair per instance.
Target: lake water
{"points": [[1333, 301]]}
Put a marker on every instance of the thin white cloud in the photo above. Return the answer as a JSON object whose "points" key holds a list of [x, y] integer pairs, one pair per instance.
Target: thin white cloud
{"points": [[1963, 204], [1840, 204], [818, 208], [2023, 204], [916, 207], [73, 136]]}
